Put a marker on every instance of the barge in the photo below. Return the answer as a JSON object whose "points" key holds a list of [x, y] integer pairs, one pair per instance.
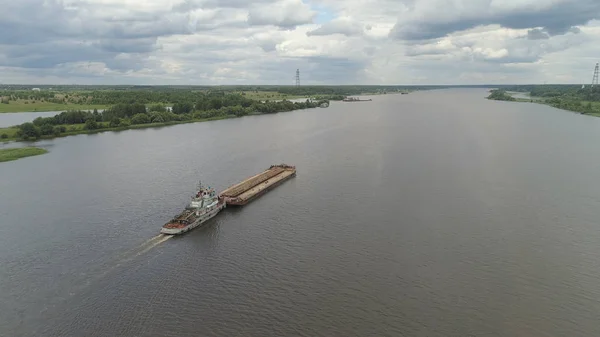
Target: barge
{"points": [[255, 186], [205, 204]]}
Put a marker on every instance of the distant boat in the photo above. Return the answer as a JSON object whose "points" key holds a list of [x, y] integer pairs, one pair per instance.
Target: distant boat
{"points": [[355, 99]]}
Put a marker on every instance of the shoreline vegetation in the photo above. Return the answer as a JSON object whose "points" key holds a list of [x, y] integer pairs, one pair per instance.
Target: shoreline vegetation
{"points": [[18, 153], [136, 116], [23, 98], [127, 108], [576, 98], [500, 95]]}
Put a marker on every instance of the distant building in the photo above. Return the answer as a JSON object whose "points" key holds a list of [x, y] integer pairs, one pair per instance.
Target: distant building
{"points": [[36, 89]]}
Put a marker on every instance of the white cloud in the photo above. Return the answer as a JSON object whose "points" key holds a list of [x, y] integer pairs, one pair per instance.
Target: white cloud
{"points": [[265, 41], [342, 25]]}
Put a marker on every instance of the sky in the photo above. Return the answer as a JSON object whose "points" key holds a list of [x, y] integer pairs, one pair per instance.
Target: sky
{"points": [[218, 42]]}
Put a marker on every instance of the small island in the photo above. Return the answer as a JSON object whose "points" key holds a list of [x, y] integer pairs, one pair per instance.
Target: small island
{"points": [[18, 153], [500, 95]]}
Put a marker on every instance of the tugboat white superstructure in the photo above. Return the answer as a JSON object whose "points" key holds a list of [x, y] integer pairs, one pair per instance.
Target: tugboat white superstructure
{"points": [[204, 205]]}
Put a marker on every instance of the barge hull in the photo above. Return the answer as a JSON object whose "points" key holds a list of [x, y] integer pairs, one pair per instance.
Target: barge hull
{"points": [[253, 187], [238, 189]]}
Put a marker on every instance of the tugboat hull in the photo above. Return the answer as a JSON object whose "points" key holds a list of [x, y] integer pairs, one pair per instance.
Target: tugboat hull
{"points": [[201, 219]]}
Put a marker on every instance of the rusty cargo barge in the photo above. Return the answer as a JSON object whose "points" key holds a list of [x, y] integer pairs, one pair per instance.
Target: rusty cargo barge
{"points": [[255, 186], [205, 204]]}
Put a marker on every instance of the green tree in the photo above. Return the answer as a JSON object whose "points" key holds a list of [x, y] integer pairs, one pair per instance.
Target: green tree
{"points": [[140, 119], [3, 136], [182, 108], [157, 108], [125, 123], [46, 129], [156, 117], [114, 122], [57, 130], [91, 124], [28, 130]]}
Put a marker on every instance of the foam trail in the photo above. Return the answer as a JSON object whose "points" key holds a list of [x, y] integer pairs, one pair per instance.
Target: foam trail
{"points": [[154, 244], [152, 239], [142, 247], [125, 257]]}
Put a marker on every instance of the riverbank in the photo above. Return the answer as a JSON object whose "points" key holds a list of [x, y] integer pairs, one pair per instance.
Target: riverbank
{"points": [[78, 129], [26, 106], [582, 100], [582, 107], [18, 153]]}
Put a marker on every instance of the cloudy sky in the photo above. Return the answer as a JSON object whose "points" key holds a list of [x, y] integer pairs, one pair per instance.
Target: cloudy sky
{"points": [[331, 41]]}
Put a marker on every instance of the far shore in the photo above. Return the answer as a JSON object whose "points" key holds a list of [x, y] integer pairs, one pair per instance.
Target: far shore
{"points": [[12, 131], [579, 106]]}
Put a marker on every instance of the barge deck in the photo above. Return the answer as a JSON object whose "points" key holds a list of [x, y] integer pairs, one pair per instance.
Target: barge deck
{"points": [[255, 186]]}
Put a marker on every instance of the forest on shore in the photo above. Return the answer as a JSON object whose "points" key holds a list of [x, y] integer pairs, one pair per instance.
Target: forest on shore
{"points": [[95, 108], [134, 114], [578, 98]]}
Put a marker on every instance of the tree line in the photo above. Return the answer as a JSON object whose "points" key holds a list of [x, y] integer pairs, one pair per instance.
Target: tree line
{"points": [[110, 95], [123, 115], [571, 97], [562, 91]]}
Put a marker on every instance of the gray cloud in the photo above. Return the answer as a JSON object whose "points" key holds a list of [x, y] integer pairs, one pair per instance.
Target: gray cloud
{"points": [[344, 27], [537, 34], [46, 33], [189, 5], [264, 41], [285, 14], [556, 19], [142, 45]]}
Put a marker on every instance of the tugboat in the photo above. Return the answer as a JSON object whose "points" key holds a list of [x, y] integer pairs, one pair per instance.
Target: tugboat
{"points": [[204, 205]]}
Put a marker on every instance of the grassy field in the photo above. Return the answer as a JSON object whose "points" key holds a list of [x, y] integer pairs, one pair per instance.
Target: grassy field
{"points": [[39, 106], [14, 154], [11, 133]]}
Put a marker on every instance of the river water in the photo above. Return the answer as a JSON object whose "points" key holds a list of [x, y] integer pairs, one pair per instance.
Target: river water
{"points": [[15, 118], [438, 213]]}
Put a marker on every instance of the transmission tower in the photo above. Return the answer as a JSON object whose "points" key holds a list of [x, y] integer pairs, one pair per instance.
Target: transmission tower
{"points": [[298, 77], [595, 79]]}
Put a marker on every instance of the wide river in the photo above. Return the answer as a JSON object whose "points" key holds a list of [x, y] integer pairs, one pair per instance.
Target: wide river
{"points": [[438, 213]]}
